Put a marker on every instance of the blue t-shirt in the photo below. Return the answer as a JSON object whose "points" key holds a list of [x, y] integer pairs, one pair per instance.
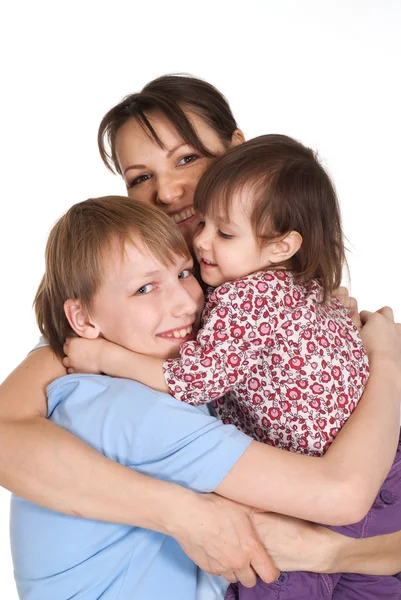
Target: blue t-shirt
{"points": [[57, 557]]}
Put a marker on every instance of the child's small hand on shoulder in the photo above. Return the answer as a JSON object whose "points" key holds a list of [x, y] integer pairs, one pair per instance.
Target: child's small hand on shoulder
{"points": [[87, 356]]}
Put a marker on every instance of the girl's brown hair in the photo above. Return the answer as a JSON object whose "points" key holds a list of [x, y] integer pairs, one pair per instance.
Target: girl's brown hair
{"points": [[170, 95], [290, 191], [76, 249]]}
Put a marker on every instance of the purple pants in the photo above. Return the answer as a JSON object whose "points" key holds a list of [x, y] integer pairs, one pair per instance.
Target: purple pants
{"points": [[384, 517]]}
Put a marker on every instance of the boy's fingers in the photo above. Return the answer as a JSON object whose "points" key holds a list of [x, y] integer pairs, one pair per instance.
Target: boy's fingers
{"points": [[387, 312]]}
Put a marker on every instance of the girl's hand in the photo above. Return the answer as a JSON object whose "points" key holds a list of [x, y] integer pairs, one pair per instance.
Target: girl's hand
{"points": [[85, 356]]}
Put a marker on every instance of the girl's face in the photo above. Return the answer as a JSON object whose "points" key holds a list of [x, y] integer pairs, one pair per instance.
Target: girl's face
{"points": [[166, 177], [226, 247], [146, 306]]}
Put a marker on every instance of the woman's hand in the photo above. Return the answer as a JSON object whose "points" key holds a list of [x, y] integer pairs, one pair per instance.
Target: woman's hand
{"points": [[296, 545], [381, 336], [218, 535], [349, 302], [88, 356]]}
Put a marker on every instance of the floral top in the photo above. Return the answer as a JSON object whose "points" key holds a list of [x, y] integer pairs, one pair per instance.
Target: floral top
{"points": [[276, 362]]}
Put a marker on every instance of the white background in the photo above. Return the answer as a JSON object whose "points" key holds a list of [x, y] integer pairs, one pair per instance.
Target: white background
{"points": [[324, 72]]}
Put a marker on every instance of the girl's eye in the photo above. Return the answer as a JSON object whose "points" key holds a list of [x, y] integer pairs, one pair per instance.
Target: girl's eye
{"points": [[185, 273], [185, 160], [225, 236], [145, 289], [139, 180]]}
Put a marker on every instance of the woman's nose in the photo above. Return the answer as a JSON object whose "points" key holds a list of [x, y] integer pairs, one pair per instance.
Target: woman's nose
{"points": [[170, 189]]}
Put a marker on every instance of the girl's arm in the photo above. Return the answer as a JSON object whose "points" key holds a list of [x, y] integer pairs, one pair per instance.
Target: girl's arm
{"points": [[296, 545], [47, 465], [339, 487]]}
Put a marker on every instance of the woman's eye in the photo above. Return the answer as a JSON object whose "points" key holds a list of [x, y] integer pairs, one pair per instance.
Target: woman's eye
{"points": [[139, 180], [185, 273], [145, 289], [225, 236], [185, 160]]}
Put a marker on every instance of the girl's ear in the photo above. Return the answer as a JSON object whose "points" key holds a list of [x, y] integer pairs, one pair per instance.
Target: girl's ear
{"points": [[80, 320], [237, 138], [283, 249]]}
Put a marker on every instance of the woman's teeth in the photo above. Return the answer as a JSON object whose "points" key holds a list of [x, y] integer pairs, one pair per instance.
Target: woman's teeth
{"points": [[183, 215], [180, 333]]}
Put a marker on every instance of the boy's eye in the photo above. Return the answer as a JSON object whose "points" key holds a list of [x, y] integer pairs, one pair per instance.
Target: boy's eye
{"points": [[139, 180], [185, 273], [145, 289], [225, 236], [185, 160]]}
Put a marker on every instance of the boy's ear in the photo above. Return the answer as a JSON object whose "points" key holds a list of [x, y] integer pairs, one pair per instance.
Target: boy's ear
{"points": [[237, 138], [283, 249], [80, 321]]}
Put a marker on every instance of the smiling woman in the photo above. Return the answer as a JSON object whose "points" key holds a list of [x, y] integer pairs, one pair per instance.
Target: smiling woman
{"points": [[162, 144]]}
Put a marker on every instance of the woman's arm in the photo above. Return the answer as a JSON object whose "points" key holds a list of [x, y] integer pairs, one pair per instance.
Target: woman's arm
{"points": [[296, 545], [339, 487], [47, 465]]}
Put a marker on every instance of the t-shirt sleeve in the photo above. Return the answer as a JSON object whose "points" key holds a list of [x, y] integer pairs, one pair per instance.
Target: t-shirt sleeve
{"points": [[147, 431], [235, 330]]}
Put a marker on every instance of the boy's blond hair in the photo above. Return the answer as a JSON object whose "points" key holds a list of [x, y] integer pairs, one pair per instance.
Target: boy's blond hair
{"points": [[76, 249]]}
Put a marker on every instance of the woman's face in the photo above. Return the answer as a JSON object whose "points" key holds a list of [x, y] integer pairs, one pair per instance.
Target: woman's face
{"points": [[144, 305], [165, 177]]}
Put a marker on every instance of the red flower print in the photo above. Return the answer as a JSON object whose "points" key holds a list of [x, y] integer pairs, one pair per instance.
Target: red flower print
{"points": [[262, 287], [233, 360], [310, 346], [206, 362], [257, 399], [288, 301], [325, 377], [331, 326], [220, 336], [274, 413], [323, 341], [342, 400], [302, 383], [219, 325], [336, 372], [296, 315], [254, 383], [237, 331], [296, 362], [321, 423], [315, 403], [264, 329], [232, 378], [188, 378], [222, 312], [317, 388], [276, 359], [285, 406], [293, 394], [307, 334], [247, 306]]}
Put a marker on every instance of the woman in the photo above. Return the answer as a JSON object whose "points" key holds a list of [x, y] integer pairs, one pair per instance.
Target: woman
{"points": [[160, 140]]}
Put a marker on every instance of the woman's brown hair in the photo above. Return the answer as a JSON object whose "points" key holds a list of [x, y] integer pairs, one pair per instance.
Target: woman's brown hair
{"points": [[290, 191], [76, 249], [170, 95]]}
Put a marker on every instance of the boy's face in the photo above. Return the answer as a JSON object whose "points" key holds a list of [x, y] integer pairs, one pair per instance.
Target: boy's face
{"points": [[227, 248], [146, 306]]}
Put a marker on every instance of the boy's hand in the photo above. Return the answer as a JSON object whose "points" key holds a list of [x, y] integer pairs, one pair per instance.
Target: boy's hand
{"points": [[85, 356]]}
